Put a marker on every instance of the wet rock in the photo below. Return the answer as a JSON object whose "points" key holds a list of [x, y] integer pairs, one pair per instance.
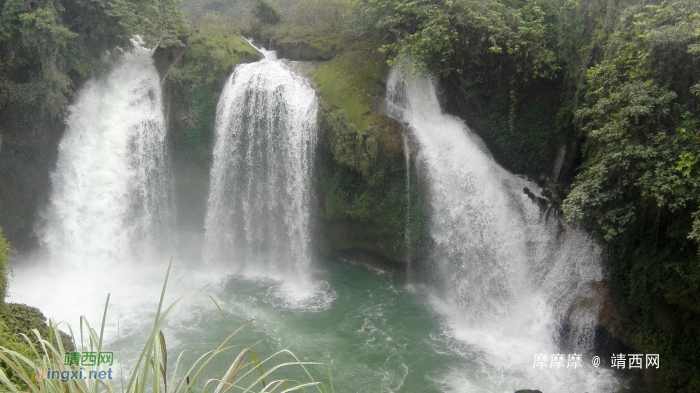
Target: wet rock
{"points": [[542, 203]]}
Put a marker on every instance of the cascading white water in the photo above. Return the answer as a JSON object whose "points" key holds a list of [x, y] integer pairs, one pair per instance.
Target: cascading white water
{"points": [[111, 187], [107, 225], [258, 214], [508, 279]]}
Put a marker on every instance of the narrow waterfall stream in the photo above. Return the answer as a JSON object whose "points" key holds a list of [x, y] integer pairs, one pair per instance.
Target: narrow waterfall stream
{"points": [[407, 224], [507, 276]]}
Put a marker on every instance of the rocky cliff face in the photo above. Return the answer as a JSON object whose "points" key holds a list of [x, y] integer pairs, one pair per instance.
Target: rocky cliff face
{"points": [[370, 207], [29, 152]]}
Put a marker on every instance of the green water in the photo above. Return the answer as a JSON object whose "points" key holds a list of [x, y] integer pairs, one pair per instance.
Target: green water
{"points": [[375, 332], [376, 335]]}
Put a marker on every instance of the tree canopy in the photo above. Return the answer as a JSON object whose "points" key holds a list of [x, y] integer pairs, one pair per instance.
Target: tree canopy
{"points": [[46, 44]]}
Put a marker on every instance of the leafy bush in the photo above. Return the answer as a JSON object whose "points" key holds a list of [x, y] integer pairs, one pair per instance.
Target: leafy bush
{"points": [[639, 185], [267, 13], [479, 39]]}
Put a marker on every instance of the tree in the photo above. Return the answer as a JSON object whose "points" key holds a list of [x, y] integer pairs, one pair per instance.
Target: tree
{"points": [[267, 13]]}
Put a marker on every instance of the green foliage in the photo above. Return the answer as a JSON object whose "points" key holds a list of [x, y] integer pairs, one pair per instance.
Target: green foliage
{"points": [[46, 44], [639, 184], [18, 319], [500, 64], [319, 15], [158, 21], [267, 13], [351, 147], [521, 130], [352, 82], [311, 30], [657, 288], [634, 158], [12, 341], [313, 19], [476, 38]]}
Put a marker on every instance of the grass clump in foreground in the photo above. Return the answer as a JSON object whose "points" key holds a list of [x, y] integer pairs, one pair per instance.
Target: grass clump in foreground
{"points": [[245, 372]]}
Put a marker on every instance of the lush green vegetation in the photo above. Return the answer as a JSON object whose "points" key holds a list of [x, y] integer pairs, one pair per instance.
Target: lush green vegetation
{"points": [[48, 45], [622, 77], [197, 79], [616, 81], [362, 169], [639, 186], [500, 66]]}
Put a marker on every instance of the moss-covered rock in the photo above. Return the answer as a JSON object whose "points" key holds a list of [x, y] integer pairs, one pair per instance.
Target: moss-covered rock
{"points": [[195, 77], [194, 84], [18, 319], [366, 202], [29, 153]]}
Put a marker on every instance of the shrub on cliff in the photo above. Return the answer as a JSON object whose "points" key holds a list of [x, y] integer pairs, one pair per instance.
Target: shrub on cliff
{"points": [[356, 149], [46, 44]]}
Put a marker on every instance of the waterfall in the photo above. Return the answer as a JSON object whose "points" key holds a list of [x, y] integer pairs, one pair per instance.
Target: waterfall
{"points": [[107, 225], [509, 278], [110, 198], [407, 223], [258, 213]]}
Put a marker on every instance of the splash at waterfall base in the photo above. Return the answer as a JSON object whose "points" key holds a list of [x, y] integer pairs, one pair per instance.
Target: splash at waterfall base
{"points": [[507, 278]]}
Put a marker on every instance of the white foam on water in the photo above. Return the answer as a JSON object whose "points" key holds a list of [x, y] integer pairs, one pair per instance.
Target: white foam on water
{"points": [[507, 277]]}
